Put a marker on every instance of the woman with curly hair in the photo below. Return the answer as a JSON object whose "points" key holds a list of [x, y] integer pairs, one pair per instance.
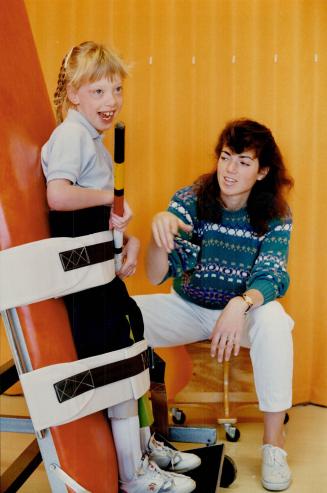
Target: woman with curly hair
{"points": [[224, 241]]}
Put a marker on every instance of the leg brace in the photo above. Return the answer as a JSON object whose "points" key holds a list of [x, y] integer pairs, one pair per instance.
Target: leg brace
{"points": [[55, 267], [61, 393]]}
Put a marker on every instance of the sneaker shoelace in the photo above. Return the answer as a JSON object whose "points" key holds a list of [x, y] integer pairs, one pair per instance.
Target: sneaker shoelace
{"points": [[174, 456], [276, 456], [149, 467]]}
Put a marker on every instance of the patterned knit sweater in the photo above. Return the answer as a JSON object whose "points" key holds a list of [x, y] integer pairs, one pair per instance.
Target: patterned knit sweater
{"points": [[216, 262]]}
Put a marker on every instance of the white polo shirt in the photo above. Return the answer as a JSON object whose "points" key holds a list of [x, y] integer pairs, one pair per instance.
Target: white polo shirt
{"points": [[75, 152]]}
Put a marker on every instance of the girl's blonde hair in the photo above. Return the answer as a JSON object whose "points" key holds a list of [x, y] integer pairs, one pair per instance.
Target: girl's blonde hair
{"points": [[85, 63]]}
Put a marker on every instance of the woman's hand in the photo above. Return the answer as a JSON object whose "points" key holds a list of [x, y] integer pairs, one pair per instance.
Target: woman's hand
{"points": [[120, 222], [165, 226], [130, 253], [228, 329]]}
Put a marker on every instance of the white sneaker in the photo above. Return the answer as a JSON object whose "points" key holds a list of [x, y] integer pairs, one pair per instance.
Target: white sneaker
{"points": [[150, 477], [169, 459], [276, 475]]}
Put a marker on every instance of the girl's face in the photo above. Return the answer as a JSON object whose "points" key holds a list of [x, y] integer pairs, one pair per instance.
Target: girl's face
{"points": [[237, 174], [99, 101]]}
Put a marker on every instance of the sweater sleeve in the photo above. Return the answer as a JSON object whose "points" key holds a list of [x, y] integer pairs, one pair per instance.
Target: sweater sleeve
{"points": [[185, 254], [269, 274]]}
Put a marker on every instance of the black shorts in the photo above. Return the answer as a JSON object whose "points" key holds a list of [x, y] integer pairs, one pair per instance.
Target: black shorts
{"points": [[104, 318]]}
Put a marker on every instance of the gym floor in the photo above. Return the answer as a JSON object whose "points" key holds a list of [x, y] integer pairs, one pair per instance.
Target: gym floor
{"points": [[306, 446]]}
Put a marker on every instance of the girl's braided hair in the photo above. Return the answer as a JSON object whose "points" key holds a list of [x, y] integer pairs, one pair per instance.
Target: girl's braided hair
{"points": [[85, 63]]}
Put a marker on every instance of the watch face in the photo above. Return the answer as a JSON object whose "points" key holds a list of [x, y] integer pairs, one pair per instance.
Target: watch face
{"points": [[247, 300]]}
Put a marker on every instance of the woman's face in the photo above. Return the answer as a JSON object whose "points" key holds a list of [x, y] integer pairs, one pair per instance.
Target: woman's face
{"points": [[99, 101], [237, 174]]}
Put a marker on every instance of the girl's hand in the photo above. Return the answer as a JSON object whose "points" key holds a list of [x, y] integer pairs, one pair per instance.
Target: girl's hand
{"points": [[165, 226], [228, 329], [120, 222], [130, 254]]}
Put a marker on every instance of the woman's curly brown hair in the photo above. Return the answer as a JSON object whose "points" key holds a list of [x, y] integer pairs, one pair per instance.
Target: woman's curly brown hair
{"points": [[266, 200]]}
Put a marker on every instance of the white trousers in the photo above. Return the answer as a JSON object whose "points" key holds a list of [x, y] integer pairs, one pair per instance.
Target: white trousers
{"points": [[169, 320]]}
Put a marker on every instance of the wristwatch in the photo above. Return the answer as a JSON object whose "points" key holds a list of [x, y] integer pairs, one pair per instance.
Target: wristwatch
{"points": [[247, 300]]}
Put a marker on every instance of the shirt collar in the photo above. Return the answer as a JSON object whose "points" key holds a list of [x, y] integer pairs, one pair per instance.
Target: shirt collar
{"points": [[76, 116]]}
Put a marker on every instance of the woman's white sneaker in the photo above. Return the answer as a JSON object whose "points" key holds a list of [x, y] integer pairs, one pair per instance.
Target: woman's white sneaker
{"points": [[150, 478], [169, 459], [276, 475]]}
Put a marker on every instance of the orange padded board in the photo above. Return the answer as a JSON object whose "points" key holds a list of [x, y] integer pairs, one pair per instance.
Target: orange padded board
{"points": [[85, 447]]}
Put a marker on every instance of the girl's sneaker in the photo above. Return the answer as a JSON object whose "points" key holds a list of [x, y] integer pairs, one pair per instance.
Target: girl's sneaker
{"points": [[150, 478], [276, 475], [169, 459]]}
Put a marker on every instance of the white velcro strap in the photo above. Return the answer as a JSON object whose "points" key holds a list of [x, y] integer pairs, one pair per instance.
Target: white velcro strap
{"points": [[44, 406], [35, 271]]}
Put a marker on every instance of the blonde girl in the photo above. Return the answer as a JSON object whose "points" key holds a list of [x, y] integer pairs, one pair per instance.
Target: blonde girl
{"points": [[79, 175]]}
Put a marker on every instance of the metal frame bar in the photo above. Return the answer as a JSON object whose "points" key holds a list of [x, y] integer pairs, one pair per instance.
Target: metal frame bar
{"points": [[192, 434], [16, 424], [23, 364]]}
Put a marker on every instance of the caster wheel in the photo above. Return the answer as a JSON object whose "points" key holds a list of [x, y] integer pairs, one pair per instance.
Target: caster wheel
{"points": [[179, 417], [233, 434], [286, 419]]}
